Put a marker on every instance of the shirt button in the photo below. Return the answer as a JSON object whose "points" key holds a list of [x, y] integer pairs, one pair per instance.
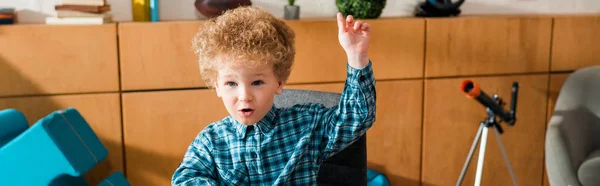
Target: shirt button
{"points": [[253, 154], [361, 78]]}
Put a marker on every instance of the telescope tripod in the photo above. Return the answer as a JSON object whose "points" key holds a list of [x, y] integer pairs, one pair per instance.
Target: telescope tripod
{"points": [[482, 133]]}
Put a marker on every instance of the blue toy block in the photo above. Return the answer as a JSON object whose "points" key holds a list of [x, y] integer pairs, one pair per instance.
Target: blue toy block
{"points": [[56, 150]]}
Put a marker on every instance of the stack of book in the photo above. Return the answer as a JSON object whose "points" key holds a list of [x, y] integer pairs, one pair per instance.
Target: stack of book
{"points": [[81, 12], [7, 16]]}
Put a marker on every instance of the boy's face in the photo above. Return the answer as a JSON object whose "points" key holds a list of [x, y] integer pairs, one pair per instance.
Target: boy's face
{"points": [[247, 93]]}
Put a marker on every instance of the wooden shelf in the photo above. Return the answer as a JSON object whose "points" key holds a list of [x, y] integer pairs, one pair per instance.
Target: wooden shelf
{"points": [[58, 59]]}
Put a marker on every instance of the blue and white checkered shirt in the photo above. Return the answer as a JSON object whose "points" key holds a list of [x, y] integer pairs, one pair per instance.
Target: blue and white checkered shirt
{"points": [[286, 147]]}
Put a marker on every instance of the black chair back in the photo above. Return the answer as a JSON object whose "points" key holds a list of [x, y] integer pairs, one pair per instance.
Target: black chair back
{"points": [[349, 166]]}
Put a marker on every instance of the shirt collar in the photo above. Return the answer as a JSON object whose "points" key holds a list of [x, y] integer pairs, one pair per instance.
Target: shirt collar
{"points": [[265, 125]]}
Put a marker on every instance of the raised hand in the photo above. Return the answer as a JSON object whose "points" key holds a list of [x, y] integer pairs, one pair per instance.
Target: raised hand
{"points": [[354, 38]]}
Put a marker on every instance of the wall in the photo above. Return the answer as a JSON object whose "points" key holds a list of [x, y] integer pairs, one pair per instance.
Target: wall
{"points": [[34, 11], [145, 99]]}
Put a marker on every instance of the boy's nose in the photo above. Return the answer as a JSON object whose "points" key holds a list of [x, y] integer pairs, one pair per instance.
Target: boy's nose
{"points": [[245, 98], [245, 95]]}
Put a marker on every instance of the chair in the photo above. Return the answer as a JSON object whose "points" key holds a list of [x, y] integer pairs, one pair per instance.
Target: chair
{"points": [[56, 150], [348, 167], [572, 145]]}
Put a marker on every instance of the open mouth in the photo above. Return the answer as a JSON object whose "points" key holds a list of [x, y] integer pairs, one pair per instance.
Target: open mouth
{"points": [[246, 112]]}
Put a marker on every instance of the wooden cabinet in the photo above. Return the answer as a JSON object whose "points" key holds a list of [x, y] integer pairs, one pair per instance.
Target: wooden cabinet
{"points": [[487, 45], [158, 55], [58, 59], [575, 42]]}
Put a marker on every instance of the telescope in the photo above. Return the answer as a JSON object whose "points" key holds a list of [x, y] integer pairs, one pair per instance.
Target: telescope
{"points": [[495, 110], [495, 104]]}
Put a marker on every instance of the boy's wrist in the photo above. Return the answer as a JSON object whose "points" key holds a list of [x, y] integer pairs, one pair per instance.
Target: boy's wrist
{"points": [[358, 61], [357, 78]]}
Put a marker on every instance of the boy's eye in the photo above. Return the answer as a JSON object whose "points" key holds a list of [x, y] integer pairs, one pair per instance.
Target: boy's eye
{"points": [[259, 82], [230, 83]]}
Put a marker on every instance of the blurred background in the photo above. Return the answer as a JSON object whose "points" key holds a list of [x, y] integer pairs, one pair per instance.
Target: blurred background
{"points": [[128, 67]]}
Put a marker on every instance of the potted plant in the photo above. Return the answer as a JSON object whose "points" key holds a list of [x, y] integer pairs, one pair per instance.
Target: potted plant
{"points": [[361, 9], [291, 11]]}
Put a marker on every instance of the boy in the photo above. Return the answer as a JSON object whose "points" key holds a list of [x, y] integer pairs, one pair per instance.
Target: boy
{"points": [[246, 55]]}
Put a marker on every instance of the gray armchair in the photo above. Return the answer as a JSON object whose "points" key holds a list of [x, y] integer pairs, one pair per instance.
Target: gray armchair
{"points": [[348, 167], [573, 136]]}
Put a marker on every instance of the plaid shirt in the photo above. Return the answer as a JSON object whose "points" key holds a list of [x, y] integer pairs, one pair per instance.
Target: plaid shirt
{"points": [[286, 147]]}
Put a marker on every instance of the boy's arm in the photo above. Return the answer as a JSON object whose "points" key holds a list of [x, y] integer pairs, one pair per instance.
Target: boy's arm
{"points": [[197, 167], [353, 116], [355, 113]]}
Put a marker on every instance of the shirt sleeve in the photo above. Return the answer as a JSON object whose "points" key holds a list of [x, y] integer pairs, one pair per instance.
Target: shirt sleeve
{"points": [[197, 167], [353, 116]]}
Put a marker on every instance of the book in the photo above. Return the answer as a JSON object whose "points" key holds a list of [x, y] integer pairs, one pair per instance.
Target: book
{"points": [[81, 12], [75, 20], [84, 8], [73, 13], [84, 2], [7, 16]]}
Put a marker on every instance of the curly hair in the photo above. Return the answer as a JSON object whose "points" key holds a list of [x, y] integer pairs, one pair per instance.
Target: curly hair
{"points": [[246, 35]]}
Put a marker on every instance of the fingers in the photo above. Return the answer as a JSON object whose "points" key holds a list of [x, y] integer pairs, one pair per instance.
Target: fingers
{"points": [[365, 27], [351, 24], [357, 25], [341, 22]]}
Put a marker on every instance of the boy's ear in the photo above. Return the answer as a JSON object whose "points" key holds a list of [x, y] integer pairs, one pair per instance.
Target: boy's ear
{"points": [[279, 87], [217, 90]]}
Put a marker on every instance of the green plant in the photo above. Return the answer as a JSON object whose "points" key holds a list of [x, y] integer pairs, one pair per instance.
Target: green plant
{"points": [[361, 9], [291, 2]]}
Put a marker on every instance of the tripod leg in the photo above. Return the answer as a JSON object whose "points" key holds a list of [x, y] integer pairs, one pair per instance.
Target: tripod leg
{"points": [[510, 170], [481, 157], [470, 156]]}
